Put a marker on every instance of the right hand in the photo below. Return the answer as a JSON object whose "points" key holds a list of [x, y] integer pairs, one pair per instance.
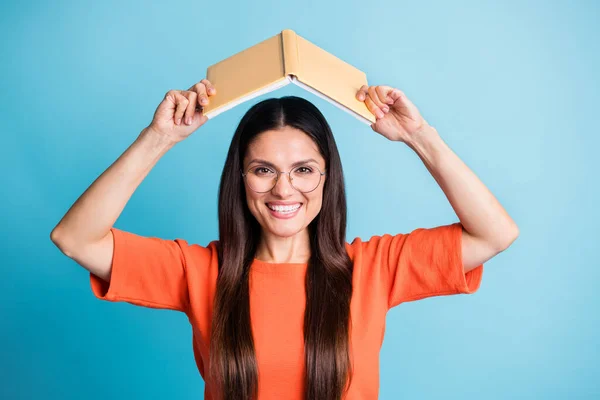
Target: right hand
{"points": [[180, 112]]}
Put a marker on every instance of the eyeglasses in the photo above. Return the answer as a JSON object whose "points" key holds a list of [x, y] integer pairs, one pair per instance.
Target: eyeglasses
{"points": [[263, 179]]}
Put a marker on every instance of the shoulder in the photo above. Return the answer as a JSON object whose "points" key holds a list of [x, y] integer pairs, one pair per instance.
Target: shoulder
{"points": [[372, 242], [197, 255], [359, 247], [418, 239]]}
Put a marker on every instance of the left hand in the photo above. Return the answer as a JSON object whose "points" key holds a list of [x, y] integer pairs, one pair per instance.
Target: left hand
{"points": [[402, 122]]}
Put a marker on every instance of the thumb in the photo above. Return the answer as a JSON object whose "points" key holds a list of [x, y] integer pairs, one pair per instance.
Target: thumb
{"points": [[394, 95], [199, 119], [166, 108]]}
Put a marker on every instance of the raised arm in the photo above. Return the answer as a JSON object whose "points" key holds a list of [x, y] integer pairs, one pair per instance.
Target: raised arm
{"points": [[83, 233], [487, 227]]}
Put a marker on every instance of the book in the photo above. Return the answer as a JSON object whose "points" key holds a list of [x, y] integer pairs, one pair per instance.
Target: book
{"points": [[278, 61]]}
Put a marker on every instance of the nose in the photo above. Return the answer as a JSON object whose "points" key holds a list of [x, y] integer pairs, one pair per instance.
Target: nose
{"points": [[283, 187]]}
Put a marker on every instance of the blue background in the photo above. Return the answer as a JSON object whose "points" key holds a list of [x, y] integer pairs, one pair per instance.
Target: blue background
{"points": [[512, 87]]}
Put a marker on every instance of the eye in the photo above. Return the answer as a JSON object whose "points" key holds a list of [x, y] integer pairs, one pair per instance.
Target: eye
{"points": [[262, 171], [304, 170]]}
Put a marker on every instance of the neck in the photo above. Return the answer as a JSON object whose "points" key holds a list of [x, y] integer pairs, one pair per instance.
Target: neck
{"points": [[277, 249]]}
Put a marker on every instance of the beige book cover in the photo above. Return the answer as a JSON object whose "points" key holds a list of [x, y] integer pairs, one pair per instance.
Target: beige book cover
{"points": [[282, 59]]}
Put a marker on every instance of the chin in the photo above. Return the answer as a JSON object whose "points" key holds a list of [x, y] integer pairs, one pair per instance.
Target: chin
{"points": [[284, 231]]}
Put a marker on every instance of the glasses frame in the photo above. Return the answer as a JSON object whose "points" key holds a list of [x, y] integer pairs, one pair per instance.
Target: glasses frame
{"points": [[321, 173]]}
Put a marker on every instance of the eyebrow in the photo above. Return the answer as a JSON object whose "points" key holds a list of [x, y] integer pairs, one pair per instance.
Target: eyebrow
{"points": [[260, 161]]}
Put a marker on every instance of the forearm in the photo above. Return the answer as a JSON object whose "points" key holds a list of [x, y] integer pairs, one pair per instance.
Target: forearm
{"points": [[479, 211], [93, 214]]}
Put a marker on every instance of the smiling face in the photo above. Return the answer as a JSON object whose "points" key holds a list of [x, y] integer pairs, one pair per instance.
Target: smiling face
{"points": [[280, 150]]}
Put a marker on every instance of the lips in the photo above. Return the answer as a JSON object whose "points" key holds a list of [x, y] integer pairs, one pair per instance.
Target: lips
{"points": [[287, 211], [283, 207]]}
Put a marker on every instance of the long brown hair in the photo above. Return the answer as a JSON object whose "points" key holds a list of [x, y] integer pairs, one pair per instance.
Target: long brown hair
{"points": [[328, 283]]}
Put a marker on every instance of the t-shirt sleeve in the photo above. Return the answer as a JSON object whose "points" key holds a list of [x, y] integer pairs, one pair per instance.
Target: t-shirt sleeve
{"points": [[424, 263], [146, 271]]}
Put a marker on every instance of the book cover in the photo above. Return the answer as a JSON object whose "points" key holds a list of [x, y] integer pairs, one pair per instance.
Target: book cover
{"points": [[278, 61]]}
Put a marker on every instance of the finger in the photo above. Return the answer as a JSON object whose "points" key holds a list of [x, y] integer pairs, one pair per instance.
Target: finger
{"points": [[362, 93], [182, 103], [191, 107], [396, 94], [375, 97], [171, 100], [200, 88], [210, 88], [373, 107], [384, 94]]}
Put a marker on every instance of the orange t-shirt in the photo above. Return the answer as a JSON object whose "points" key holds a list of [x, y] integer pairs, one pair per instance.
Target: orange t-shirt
{"points": [[388, 270]]}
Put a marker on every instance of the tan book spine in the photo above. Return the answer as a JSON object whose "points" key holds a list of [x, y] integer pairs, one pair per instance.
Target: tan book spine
{"points": [[291, 60]]}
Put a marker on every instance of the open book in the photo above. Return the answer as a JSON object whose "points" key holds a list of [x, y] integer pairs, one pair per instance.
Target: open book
{"points": [[282, 59]]}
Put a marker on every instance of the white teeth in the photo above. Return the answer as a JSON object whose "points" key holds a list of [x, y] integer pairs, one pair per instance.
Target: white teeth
{"points": [[284, 208]]}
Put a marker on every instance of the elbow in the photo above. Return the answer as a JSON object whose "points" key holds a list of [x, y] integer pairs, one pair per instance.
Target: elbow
{"points": [[509, 238], [54, 236], [59, 242]]}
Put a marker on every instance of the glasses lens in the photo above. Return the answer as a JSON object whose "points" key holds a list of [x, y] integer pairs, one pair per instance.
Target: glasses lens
{"points": [[261, 179], [304, 179]]}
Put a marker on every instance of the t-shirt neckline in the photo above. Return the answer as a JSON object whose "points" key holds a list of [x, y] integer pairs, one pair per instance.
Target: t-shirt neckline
{"points": [[276, 268]]}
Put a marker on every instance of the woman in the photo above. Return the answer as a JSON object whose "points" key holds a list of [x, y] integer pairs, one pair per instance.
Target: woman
{"points": [[281, 306]]}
